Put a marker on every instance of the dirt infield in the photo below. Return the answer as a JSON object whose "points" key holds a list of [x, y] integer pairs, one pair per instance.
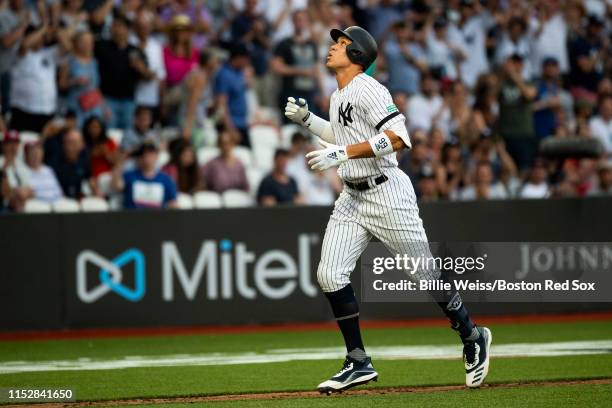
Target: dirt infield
{"points": [[308, 394]]}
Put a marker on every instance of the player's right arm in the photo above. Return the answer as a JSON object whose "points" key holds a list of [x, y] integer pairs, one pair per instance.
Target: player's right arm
{"points": [[297, 111]]}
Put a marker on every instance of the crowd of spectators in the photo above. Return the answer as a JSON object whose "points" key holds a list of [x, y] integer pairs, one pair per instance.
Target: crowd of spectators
{"points": [[144, 100]]}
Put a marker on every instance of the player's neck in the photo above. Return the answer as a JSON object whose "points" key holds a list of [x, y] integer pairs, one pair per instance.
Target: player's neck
{"points": [[345, 75]]}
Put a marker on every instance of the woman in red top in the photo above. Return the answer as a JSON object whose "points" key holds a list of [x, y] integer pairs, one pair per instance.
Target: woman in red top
{"points": [[102, 149]]}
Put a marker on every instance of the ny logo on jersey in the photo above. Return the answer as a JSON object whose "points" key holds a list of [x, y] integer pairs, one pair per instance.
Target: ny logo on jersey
{"points": [[345, 114]]}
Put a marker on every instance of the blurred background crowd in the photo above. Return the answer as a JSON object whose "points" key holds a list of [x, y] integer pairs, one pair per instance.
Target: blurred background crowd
{"points": [[177, 103]]}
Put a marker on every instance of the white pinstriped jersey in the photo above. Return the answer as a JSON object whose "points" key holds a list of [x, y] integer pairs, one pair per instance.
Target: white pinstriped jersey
{"points": [[360, 110]]}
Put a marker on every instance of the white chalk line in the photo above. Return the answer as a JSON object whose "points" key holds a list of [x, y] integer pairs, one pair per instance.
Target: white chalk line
{"points": [[295, 354]]}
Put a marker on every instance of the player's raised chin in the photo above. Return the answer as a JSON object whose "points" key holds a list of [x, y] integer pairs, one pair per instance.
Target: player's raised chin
{"points": [[337, 57]]}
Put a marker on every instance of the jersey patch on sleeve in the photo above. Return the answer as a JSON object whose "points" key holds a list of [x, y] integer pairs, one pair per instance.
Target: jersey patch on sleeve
{"points": [[392, 108]]}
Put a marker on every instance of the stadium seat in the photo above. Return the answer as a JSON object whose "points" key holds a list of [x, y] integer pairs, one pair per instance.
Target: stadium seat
{"points": [[264, 137], [37, 206], [116, 135], [245, 155], [263, 157], [210, 135], [206, 154], [94, 204], [207, 199], [184, 201], [254, 176], [287, 132], [66, 205], [237, 198], [104, 182]]}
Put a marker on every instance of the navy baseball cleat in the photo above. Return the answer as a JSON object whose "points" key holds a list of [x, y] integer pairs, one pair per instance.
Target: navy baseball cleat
{"points": [[476, 358], [353, 373]]}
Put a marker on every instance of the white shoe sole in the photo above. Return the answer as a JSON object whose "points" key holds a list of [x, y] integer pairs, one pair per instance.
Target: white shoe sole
{"points": [[330, 386], [483, 370]]}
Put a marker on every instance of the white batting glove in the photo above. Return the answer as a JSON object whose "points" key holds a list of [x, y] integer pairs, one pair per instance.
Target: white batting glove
{"points": [[330, 156], [297, 111]]}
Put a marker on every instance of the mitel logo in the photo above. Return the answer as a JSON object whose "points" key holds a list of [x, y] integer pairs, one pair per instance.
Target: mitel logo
{"points": [[110, 275], [228, 268]]}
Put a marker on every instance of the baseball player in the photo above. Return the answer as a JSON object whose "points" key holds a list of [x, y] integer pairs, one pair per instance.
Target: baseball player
{"points": [[361, 138]]}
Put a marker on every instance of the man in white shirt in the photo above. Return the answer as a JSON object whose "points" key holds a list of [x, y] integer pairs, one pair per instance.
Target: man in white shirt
{"points": [[601, 125], [42, 178], [148, 91], [426, 109], [472, 34], [17, 185], [549, 37], [537, 185]]}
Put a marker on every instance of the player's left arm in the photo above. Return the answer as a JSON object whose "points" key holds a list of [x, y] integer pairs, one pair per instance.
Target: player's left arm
{"points": [[382, 114]]}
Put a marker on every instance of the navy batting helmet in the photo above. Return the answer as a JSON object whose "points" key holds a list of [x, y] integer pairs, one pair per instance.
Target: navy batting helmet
{"points": [[363, 49]]}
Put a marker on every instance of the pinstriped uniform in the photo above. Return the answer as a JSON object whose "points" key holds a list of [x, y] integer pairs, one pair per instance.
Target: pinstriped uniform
{"points": [[387, 211]]}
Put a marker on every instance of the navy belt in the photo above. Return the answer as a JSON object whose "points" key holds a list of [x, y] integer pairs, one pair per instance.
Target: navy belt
{"points": [[364, 185]]}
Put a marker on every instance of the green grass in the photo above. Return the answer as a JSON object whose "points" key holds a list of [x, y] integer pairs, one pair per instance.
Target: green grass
{"points": [[259, 342], [304, 375]]}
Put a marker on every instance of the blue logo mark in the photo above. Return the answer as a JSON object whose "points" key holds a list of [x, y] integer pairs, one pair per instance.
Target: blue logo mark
{"points": [[225, 245], [113, 279]]}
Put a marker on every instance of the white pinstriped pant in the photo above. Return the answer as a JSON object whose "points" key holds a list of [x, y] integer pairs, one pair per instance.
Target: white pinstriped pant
{"points": [[388, 212]]}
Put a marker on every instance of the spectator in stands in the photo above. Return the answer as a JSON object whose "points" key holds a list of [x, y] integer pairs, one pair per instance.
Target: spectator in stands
{"points": [[471, 30], [484, 186], [550, 36], [14, 21], [601, 124], [145, 186], [381, 15], [79, 78], [225, 172], [587, 52], [426, 108], [73, 169], [406, 60], [52, 137], [427, 185], [18, 187], [140, 131], [183, 168], [537, 184], [102, 149], [548, 99], [121, 67], [231, 92], [297, 168], [585, 78], [516, 112], [198, 17], [148, 91], [197, 97], [444, 52], [180, 57], [296, 61], [452, 170], [277, 187], [515, 41], [251, 28], [33, 84], [604, 185], [321, 188], [42, 178]]}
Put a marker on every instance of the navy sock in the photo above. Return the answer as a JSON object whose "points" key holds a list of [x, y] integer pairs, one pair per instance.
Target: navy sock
{"points": [[346, 311], [452, 305]]}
